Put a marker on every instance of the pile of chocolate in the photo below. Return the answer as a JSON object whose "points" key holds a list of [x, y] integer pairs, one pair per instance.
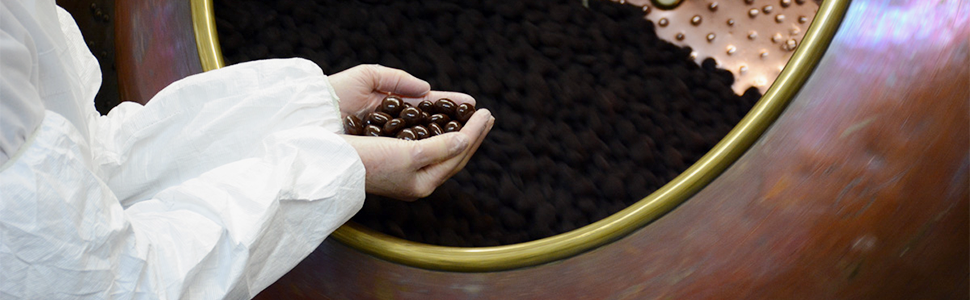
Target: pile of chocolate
{"points": [[593, 111], [397, 118]]}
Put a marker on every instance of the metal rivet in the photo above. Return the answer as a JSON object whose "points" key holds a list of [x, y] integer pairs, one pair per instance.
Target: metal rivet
{"points": [[802, 19], [779, 18], [696, 20], [730, 22], [743, 69], [663, 22], [752, 35], [767, 9], [785, 3], [763, 54], [712, 6], [646, 9], [790, 45], [731, 49], [800, 2], [680, 36], [753, 12], [776, 38], [748, 2], [710, 37]]}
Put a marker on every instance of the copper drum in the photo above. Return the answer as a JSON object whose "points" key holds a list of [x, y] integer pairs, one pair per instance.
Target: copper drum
{"points": [[848, 180]]}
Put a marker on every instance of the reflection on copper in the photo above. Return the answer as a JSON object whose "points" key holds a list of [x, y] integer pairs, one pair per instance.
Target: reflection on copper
{"points": [[890, 26]]}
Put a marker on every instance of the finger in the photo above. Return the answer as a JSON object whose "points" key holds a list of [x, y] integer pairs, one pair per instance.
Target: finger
{"points": [[433, 96], [396, 81], [476, 128], [478, 139], [438, 148]]}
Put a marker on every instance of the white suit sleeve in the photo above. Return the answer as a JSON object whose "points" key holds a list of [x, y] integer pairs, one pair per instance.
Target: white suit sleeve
{"points": [[215, 189]]}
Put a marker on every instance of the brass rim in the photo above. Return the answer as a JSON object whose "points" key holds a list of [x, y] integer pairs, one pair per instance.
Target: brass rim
{"points": [[616, 226], [206, 36]]}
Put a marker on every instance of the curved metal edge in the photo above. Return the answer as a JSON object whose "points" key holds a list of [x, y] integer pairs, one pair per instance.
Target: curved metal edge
{"points": [[206, 36], [616, 226]]}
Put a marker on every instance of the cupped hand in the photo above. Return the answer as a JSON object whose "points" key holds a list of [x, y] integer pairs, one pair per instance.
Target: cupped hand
{"points": [[362, 88], [409, 170]]}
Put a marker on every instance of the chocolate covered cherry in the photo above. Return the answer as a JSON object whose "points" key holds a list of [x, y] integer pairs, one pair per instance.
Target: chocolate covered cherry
{"points": [[393, 126], [378, 118], [396, 118], [407, 134], [411, 116], [464, 112], [445, 106], [373, 130], [392, 105], [353, 125]]}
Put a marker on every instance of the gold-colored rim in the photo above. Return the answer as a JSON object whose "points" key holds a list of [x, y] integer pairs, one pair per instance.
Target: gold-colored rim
{"points": [[614, 227], [206, 36]]}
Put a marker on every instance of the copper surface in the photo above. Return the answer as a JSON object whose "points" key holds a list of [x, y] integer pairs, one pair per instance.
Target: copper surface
{"points": [[95, 19], [157, 46], [858, 191], [753, 39], [622, 223]]}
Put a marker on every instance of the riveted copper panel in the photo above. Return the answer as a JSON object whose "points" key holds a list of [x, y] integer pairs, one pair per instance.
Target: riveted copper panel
{"points": [[858, 191], [751, 38]]}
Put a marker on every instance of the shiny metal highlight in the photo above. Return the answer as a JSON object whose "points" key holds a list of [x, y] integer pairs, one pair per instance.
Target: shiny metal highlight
{"points": [[206, 37], [616, 226]]}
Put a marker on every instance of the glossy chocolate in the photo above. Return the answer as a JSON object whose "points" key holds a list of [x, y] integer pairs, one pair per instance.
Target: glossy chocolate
{"points": [[378, 118], [425, 117], [411, 116], [464, 112], [373, 130], [426, 105], [421, 132], [441, 119], [435, 129], [407, 134], [392, 105], [452, 126], [394, 125], [353, 125], [413, 122], [445, 106]]}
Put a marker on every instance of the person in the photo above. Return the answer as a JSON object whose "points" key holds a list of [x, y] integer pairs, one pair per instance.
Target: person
{"points": [[215, 188]]}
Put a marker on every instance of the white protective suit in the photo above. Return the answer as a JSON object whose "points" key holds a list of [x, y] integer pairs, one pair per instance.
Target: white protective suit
{"points": [[217, 187]]}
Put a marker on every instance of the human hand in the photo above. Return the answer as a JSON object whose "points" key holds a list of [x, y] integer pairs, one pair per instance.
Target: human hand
{"points": [[362, 88], [409, 170]]}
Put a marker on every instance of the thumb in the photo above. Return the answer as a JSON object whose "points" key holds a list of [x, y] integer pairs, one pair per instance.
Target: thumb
{"points": [[438, 148], [396, 81]]}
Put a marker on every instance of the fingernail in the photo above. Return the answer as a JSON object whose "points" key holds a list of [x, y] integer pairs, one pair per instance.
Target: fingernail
{"points": [[458, 143]]}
